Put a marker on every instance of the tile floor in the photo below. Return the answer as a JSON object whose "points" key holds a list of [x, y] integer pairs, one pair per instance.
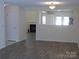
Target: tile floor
{"points": [[40, 50]]}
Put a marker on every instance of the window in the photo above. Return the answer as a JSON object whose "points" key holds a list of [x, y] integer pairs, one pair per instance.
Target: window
{"points": [[62, 20], [66, 21], [58, 20], [43, 19]]}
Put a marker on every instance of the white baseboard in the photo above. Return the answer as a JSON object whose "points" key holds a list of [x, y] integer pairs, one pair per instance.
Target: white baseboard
{"points": [[57, 40], [12, 40]]}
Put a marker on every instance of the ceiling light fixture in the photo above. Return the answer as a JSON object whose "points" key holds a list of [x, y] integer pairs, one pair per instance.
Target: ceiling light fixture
{"points": [[52, 4], [52, 7]]}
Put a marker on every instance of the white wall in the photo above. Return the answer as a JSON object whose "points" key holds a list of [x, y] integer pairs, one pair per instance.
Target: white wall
{"points": [[22, 24], [30, 17], [15, 22], [12, 16], [76, 15], [18, 20], [59, 33], [2, 25], [54, 33]]}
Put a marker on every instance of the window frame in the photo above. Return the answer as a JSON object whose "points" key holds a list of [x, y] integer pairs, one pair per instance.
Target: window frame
{"points": [[62, 21]]}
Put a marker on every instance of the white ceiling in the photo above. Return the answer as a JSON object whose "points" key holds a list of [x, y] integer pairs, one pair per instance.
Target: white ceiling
{"points": [[37, 2]]}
